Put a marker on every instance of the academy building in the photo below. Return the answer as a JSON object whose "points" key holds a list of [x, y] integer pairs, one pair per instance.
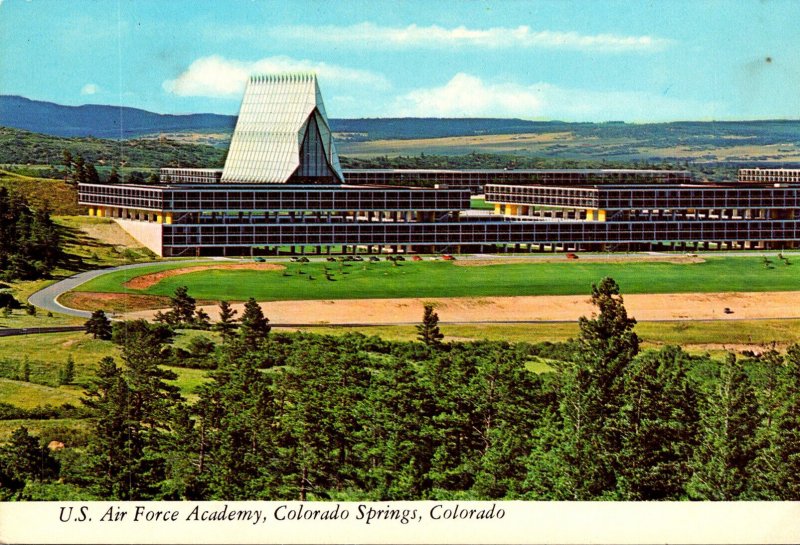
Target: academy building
{"points": [[282, 188]]}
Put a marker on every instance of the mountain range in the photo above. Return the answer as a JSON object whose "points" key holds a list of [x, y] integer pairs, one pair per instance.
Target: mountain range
{"points": [[102, 121]]}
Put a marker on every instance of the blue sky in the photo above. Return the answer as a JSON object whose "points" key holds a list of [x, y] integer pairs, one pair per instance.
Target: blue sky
{"points": [[569, 60]]}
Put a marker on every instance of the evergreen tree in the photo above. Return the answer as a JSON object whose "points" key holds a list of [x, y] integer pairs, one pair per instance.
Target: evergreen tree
{"points": [[135, 408], [396, 442], [116, 444], [183, 305], [67, 162], [227, 322], [659, 423], [99, 326], [113, 176], [591, 398], [67, 374], [92, 176], [79, 170], [254, 325], [783, 459], [24, 458], [201, 319], [428, 331], [321, 393], [729, 423]]}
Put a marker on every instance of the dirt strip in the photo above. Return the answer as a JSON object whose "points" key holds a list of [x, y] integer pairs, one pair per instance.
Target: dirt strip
{"points": [[682, 306]]}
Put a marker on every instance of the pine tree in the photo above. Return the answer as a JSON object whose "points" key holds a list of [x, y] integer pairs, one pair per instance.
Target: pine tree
{"points": [[67, 162], [201, 319], [659, 424], [25, 458], [113, 176], [183, 305], [428, 331], [116, 444], [99, 326], [785, 466], [254, 325], [79, 171], [92, 176], [591, 397], [227, 323], [67, 374], [729, 423]]}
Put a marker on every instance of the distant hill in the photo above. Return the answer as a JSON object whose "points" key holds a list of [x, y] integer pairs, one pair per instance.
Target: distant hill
{"points": [[24, 147], [404, 128], [122, 122], [101, 121]]}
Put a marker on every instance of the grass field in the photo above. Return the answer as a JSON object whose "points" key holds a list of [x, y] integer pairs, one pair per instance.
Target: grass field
{"points": [[687, 334], [446, 279], [51, 353], [27, 395], [57, 195], [58, 429]]}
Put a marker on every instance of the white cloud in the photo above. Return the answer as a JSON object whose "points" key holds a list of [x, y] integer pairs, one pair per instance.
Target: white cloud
{"points": [[468, 96], [216, 76], [90, 89], [374, 36]]}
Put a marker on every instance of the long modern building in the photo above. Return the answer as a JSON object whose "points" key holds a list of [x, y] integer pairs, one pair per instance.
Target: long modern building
{"points": [[282, 188]]}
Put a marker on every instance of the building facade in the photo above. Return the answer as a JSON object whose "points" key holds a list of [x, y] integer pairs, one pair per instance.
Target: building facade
{"points": [[283, 189]]}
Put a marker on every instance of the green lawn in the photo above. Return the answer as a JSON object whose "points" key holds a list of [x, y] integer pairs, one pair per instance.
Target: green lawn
{"points": [[445, 279], [47, 354], [27, 395]]}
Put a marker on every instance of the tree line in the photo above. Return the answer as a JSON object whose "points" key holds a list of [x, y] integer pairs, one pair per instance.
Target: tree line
{"points": [[29, 240], [351, 417]]}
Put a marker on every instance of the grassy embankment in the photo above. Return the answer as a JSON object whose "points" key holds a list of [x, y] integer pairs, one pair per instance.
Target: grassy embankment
{"points": [[50, 355], [365, 280], [87, 243]]}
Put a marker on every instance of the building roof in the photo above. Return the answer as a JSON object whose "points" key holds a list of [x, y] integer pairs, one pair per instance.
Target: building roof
{"points": [[282, 131]]}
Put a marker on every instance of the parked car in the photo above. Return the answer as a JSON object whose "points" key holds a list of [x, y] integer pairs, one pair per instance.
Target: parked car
{"points": [[448, 257], [416, 258], [259, 259], [399, 258], [570, 255]]}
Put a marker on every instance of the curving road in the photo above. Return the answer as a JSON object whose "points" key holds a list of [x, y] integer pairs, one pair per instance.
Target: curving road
{"points": [[47, 298]]}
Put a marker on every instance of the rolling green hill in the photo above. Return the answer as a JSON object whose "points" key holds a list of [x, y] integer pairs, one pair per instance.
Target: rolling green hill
{"points": [[23, 147]]}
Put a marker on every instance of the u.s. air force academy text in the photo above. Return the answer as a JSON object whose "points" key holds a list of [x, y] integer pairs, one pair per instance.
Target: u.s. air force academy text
{"points": [[285, 512]]}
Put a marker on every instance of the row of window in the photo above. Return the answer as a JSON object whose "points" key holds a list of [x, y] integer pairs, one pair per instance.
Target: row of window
{"points": [[481, 233]]}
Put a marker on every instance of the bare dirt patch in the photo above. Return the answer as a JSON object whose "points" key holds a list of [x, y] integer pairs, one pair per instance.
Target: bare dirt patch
{"points": [[147, 280], [110, 233], [556, 308], [112, 302]]}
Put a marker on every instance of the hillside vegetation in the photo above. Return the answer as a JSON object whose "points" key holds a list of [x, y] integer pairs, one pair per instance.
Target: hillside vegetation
{"points": [[23, 147], [58, 196]]}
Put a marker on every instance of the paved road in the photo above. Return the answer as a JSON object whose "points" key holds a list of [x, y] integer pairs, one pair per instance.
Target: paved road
{"points": [[36, 330], [46, 298]]}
